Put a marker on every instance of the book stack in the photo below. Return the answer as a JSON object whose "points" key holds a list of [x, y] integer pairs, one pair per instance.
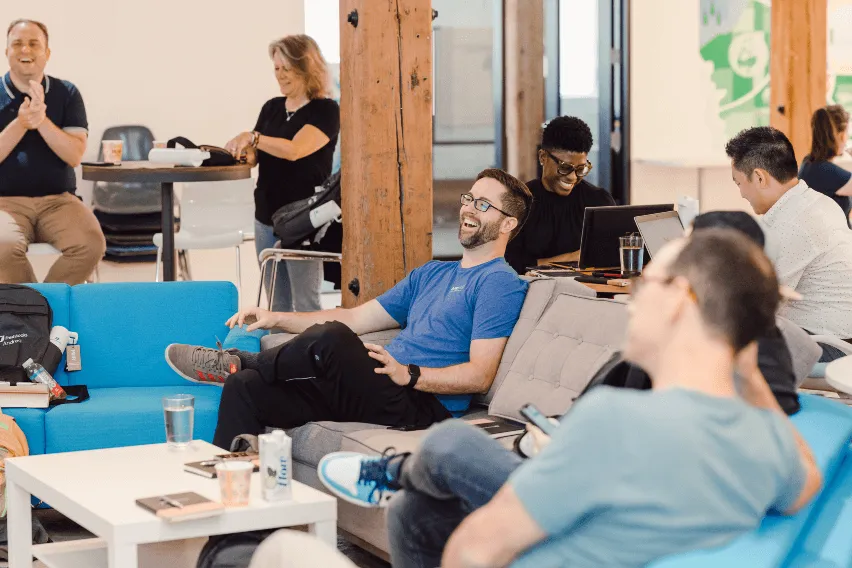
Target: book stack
{"points": [[24, 395]]}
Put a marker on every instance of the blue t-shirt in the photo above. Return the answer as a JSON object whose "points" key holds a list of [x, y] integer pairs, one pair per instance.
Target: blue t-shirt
{"points": [[32, 169], [442, 307], [631, 476], [827, 178]]}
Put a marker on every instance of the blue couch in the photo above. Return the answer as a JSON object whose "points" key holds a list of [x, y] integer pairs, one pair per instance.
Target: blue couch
{"points": [[818, 536], [124, 330]]}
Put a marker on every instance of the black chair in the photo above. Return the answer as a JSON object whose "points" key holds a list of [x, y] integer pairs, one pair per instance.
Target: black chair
{"points": [[128, 198]]}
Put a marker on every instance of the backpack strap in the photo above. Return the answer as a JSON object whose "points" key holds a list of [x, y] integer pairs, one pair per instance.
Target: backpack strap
{"points": [[185, 142], [76, 394]]}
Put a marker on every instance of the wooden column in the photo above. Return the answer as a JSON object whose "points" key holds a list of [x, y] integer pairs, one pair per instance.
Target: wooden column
{"points": [[523, 37], [386, 142], [798, 67]]}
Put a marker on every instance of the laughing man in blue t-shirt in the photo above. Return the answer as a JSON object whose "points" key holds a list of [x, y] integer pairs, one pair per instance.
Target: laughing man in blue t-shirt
{"points": [[455, 317]]}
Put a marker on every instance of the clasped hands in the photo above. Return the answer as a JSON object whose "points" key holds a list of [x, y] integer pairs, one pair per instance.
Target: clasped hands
{"points": [[33, 111]]}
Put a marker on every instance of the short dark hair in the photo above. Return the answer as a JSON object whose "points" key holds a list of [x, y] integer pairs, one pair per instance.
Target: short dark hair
{"points": [[36, 23], [825, 124], [766, 148], [734, 284], [567, 133], [737, 220], [517, 199]]}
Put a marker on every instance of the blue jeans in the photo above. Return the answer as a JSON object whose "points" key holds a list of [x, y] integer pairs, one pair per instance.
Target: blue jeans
{"points": [[458, 469], [297, 286]]}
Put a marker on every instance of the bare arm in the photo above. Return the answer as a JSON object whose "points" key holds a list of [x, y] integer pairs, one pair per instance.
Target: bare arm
{"points": [[10, 137], [474, 376], [755, 391], [307, 140], [69, 146], [366, 318], [846, 190], [494, 535]]}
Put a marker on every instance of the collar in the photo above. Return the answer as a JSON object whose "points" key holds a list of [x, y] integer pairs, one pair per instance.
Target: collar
{"points": [[778, 209], [12, 90]]}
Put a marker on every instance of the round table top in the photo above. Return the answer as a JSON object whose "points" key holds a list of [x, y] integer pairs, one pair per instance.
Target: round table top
{"points": [[838, 374], [144, 171]]}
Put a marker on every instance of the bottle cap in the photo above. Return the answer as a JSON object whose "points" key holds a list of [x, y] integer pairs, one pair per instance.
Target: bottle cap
{"points": [[27, 362]]}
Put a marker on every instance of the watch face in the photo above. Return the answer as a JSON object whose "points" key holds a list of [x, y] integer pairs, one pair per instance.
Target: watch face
{"points": [[414, 370]]}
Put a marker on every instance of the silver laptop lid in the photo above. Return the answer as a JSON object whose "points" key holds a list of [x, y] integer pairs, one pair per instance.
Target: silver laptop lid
{"points": [[658, 229]]}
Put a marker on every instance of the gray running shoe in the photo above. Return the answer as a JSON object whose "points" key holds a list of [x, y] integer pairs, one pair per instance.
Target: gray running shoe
{"points": [[202, 364]]}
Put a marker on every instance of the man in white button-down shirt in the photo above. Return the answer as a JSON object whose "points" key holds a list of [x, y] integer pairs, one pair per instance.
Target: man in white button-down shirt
{"points": [[807, 235]]}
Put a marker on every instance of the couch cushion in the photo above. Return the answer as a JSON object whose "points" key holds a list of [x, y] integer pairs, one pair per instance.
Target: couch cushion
{"points": [[125, 328], [827, 427], [59, 298], [559, 354], [804, 351], [31, 421], [127, 416]]}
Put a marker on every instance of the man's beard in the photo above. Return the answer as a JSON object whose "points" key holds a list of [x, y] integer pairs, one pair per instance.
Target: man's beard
{"points": [[486, 233]]}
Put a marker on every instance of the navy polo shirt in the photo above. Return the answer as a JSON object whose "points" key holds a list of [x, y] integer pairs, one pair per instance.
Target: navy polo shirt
{"points": [[32, 169]]}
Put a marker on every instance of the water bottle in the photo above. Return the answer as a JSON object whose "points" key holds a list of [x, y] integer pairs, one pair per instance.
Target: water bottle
{"points": [[39, 374], [276, 465]]}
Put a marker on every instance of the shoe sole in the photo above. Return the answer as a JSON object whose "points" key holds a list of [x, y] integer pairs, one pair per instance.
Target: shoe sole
{"points": [[183, 376], [383, 502]]}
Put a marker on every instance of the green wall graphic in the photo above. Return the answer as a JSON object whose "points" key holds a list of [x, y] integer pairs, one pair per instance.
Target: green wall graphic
{"points": [[735, 39]]}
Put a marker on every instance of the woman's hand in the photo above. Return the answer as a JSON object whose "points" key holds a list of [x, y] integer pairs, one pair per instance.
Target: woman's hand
{"points": [[238, 144]]}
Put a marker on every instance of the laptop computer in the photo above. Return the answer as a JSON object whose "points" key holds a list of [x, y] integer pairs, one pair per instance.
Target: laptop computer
{"points": [[658, 229], [603, 225]]}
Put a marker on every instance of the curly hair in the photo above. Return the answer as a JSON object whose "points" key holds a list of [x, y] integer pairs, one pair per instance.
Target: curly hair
{"points": [[305, 58], [567, 133]]}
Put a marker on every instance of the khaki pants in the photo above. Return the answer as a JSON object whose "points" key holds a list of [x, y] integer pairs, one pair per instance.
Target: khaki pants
{"points": [[61, 220]]}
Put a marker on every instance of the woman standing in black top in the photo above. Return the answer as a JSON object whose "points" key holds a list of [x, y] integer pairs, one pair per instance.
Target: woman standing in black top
{"points": [[293, 145], [555, 222], [829, 125]]}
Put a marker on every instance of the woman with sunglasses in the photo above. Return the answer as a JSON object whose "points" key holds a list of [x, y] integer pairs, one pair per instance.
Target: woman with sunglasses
{"points": [[552, 230]]}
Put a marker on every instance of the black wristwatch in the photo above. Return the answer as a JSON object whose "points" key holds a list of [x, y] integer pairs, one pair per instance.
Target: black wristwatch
{"points": [[414, 373]]}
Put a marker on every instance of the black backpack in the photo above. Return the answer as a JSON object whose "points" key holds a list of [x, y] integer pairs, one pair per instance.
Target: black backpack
{"points": [[218, 156], [292, 222], [231, 550], [25, 323]]}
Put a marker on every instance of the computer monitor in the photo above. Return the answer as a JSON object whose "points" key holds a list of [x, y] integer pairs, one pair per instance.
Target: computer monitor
{"points": [[658, 229], [603, 225]]}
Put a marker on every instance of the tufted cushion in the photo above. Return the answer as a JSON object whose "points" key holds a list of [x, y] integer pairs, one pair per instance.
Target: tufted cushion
{"points": [[559, 355]]}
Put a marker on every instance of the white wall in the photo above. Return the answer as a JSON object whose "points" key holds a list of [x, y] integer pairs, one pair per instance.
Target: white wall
{"points": [[194, 68], [675, 109]]}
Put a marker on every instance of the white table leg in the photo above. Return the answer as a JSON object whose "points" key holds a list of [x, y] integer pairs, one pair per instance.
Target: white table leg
{"points": [[122, 555], [325, 531], [19, 521]]}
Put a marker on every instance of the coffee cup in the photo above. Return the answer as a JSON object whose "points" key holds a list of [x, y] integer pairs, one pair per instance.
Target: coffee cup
{"points": [[160, 144], [112, 150], [61, 337]]}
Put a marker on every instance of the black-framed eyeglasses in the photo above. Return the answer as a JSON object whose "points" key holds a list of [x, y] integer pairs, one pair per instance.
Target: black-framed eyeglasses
{"points": [[566, 169], [480, 204]]}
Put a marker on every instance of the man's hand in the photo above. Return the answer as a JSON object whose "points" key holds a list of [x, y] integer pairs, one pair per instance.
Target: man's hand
{"points": [[31, 113], [257, 318], [238, 145], [397, 372]]}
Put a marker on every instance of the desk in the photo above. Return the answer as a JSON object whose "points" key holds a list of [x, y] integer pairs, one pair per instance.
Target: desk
{"points": [[838, 374], [166, 176]]}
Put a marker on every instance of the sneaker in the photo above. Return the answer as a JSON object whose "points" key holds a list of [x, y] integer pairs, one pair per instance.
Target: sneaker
{"points": [[359, 479], [202, 364]]}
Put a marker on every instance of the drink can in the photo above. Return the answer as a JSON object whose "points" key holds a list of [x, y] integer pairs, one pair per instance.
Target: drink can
{"points": [[276, 465]]}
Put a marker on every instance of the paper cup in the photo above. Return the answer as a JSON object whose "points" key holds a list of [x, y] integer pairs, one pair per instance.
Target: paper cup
{"points": [[112, 150], [234, 482], [160, 144]]}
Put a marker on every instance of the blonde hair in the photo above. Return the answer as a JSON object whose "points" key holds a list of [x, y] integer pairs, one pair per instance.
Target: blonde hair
{"points": [[305, 58]]}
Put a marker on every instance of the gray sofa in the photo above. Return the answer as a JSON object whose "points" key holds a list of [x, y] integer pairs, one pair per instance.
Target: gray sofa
{"points": [[563, 336]]}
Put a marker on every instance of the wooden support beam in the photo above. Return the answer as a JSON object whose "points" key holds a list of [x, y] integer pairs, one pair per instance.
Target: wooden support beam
{"points": [[386, 142], [798, 67], [523, 36]]}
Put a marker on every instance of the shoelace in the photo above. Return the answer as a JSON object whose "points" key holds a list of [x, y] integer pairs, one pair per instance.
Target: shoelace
{"points": [[376, 472], [210, 359]]}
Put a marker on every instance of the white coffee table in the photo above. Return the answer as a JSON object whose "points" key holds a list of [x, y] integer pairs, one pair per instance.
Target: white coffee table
{"points": [[98, 490], [838, 374]]}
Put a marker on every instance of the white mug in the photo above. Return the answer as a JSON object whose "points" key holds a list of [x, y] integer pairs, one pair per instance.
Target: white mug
{"points": [[61, 337]]}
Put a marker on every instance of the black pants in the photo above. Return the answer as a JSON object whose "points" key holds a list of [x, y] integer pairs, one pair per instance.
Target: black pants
{"points": [[324, 373]]}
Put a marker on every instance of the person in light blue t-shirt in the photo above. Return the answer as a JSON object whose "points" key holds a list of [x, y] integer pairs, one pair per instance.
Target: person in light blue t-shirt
{"points": [[455, 317], [629, 476]]}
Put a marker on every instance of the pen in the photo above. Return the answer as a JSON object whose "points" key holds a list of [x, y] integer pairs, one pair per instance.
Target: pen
{"points": [[168, 500]]}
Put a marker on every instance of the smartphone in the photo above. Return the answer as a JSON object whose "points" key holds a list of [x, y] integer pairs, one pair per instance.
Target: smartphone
{"points": [[537, 418]]}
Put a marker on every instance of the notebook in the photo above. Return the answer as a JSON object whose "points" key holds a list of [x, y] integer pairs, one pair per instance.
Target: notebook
{"points": [[207, 468], [497, 427], [178, 507], [24, 395]]}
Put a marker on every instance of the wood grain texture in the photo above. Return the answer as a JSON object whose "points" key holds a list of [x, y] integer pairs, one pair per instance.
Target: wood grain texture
{"points": [[386, 142], [524, 84], [798, 67], [144, 171]]}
